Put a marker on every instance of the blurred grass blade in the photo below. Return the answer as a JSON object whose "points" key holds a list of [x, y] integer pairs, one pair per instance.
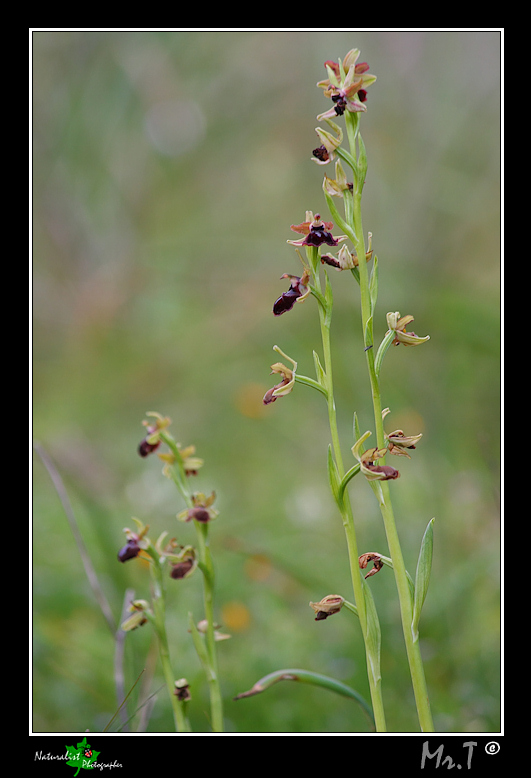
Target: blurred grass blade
{"points": [[422, 577], [307, 676], [83, 553], [108, 725]]}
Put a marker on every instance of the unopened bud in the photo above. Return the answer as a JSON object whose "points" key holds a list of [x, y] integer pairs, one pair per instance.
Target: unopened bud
{"points": [[329, 605]]}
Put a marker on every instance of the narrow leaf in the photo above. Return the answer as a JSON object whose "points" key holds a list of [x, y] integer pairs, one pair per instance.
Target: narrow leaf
{"points": [[333, 475], [373, 633], [349, 475], [338, 219], [356, 426], [362, 163], [319, 370], [422, 577], [382, 350], [373, 284], [369, 340], [306, 676], [329, 300]]}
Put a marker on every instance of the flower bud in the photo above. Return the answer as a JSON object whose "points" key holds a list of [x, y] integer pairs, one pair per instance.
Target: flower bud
{"points": [[329, 605]]}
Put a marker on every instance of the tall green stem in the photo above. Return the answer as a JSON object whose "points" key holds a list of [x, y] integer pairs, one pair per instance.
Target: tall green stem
{"points": [[207, 568], [159, 614], [345, 506], [381, 488]]}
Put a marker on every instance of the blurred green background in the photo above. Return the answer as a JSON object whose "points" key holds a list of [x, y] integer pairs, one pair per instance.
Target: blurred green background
{"points": [[167, 169]]}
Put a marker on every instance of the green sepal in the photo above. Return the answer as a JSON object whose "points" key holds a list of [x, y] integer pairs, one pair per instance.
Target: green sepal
{"points": [[422, 577]]}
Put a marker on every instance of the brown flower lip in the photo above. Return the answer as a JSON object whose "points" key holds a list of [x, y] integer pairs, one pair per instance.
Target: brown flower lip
{"points": [[129, 551], [321, 153], [180, 569], [388, 472], [145, 448]]}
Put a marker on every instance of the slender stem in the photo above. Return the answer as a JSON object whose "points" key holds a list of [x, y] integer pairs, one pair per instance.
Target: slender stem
{"points": [[205, 557], [381, 489], [159, 607], [345, 505], [207, 568]]}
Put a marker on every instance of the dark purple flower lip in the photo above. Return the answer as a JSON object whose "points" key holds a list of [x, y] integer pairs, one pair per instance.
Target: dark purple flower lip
{"points": [[297, 290]]}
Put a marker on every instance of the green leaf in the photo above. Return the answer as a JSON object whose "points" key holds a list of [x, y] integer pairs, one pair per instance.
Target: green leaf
{"points": [[319, 370], [422, 577], [356, 426], [373, 284], [307, 676], [347, 157], [372, 634], [369, 340], [329, 300], [382, 350], [349, 475], [303, 379], [362, 163], [333, 476], [338, 219]]}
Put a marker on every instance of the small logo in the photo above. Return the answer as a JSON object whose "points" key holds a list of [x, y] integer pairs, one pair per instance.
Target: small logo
{"points": [[492, 747], [81, 756]]}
